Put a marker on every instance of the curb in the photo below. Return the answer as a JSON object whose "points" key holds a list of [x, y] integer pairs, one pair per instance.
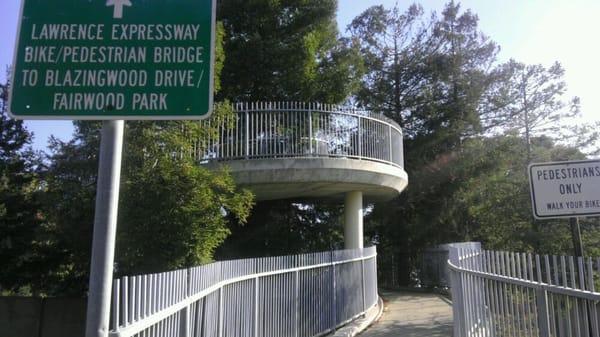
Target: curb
{"points": [[359, 325]]}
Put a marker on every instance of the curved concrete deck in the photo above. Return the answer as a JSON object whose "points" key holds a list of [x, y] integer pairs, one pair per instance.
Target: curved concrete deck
{"points": [[413, 315], [318, 177]]}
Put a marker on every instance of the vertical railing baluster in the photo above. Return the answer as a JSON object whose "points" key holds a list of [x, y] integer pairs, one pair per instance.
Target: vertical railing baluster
{"points": [[116, 303], [362, 279], [359, 138], [310, 133]]}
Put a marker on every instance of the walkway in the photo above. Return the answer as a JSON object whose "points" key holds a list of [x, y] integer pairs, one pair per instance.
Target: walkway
{"points": [[413, 315]]}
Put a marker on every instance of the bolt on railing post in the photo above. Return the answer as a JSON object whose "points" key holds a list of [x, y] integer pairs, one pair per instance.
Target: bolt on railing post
{"points": [[542, 310], [310, 133], [256, 289]]}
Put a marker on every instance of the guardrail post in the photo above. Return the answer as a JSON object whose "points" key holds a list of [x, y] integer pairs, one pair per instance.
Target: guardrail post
{"points": [[364, 296], [256, 290], [184, 329], [247, 133], [297, 303], [541, 296], [333, 291], [359, 138], [457, 295], [220, 326], [391, 147], [310, 133]]}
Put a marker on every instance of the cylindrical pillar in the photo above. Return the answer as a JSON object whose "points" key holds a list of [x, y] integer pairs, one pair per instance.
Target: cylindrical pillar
{"points": [[353, 225], [105, 229]]}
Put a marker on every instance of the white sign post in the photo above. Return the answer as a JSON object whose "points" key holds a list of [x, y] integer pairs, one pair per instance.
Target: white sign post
{"points": [[566, 190]]}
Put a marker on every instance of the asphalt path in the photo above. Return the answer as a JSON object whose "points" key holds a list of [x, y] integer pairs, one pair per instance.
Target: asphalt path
{"points": [[408, 314]]}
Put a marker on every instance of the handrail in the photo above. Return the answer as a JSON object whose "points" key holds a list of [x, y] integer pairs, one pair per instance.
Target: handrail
{"points": [[299, 130], [584, 294], [504, 293], [234, 276]]}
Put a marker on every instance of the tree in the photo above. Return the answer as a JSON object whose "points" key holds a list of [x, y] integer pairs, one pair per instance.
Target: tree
{"points": [[394, 46], [20, 220], [537, 100], [173, 212], [434, 77], [497, 201], [167, 193], [282, 228], [286, 50]]}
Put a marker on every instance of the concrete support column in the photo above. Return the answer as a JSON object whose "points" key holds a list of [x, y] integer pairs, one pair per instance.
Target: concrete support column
{"points": [[353, 225]]}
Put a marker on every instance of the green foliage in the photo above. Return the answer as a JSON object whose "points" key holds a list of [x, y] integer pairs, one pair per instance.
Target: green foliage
{"points": [[496, 201], [282, 228], [20, 220], [535, 96], [69, 200], [174, 211], [471, 127], [286, 50], [467, 121], [432, 75]]}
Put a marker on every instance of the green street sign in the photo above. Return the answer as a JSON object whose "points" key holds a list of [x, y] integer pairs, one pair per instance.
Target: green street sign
{"points": [[114, 59]]}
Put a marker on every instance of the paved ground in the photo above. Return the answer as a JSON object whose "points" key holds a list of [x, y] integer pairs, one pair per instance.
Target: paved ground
{"points": [[413, 315]]}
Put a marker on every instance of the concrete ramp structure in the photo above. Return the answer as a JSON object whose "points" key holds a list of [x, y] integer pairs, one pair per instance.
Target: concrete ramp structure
{"points": [[301, 151]]}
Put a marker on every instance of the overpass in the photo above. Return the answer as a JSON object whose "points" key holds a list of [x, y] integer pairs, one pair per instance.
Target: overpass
{"points": [[290, 150], [279, 150]]}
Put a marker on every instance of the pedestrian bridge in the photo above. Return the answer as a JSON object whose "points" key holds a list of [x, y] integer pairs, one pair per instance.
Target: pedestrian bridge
{"points": [[303, 151], [279, 151], [290, 296], [295, 150]]}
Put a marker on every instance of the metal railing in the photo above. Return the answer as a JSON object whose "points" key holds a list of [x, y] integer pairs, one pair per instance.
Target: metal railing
{"points": [[298, 296], [434, 264], [289, 129], [517, 294]]}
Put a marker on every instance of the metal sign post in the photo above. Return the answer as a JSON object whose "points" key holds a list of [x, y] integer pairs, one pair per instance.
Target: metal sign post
{"points": [[105, 229], [576, 235]]}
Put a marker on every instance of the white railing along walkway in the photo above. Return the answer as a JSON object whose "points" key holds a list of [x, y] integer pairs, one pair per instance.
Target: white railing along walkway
{"points": [[296, 130], [502, 294], [298, 296]]}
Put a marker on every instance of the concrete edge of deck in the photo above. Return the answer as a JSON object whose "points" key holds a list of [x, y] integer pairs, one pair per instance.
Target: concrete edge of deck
{"points": [[318, 177], [361, 324]]}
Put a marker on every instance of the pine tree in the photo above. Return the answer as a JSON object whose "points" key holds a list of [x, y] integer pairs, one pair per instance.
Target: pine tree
{"points": [[19, 203], [286, 50], [538, 102]]}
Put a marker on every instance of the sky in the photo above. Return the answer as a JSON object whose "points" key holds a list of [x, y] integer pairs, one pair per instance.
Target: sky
{"points": [[530, 31]]}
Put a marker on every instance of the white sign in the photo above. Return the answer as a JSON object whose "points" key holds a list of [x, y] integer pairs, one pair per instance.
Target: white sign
{"points": [[565, 189]]}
